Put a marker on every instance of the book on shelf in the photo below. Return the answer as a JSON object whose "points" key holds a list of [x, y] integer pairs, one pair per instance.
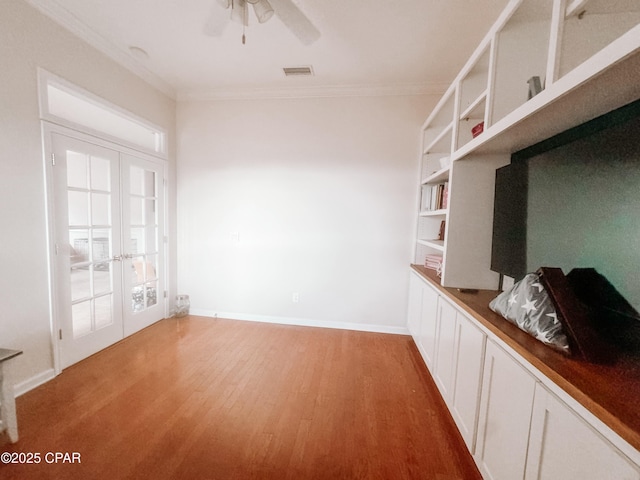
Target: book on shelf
{"points": [[434, 197], [433, 262]]}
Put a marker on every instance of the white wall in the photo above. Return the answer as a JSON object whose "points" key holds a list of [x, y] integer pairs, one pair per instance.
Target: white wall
{"points": [[29, 40], [321, 194]]}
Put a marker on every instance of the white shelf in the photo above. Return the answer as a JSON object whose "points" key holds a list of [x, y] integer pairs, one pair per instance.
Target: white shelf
{"points": [[434, 147], [433, 213], [575, 7], [595, 55], [476, 104], [440, 176], [435, 244]]}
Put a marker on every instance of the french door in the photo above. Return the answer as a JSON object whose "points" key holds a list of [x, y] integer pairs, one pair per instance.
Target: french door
{"points": [[108, 210]]}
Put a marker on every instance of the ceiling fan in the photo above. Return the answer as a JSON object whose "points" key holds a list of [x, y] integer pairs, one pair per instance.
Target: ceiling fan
{"points": [[288, 13]]}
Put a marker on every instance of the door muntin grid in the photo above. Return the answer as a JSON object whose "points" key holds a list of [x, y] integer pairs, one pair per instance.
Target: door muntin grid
{"points": [[90, 198], [143, 247]]}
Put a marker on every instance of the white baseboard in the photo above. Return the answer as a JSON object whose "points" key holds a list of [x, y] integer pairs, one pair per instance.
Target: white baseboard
{"points": [[302, 322], [33, 382]]}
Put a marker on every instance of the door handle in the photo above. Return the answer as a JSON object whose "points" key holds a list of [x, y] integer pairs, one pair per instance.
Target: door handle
{"points": [[117, 258]]}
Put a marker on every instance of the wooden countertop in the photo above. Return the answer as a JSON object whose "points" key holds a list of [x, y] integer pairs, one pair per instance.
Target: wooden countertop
{"points": [[611, 392]]}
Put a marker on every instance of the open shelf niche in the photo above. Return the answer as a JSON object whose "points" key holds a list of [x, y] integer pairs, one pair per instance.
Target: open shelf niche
{"points": [[585, 54]]}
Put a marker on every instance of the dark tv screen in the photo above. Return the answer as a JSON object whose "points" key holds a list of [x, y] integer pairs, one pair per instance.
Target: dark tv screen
{"points": [[573, 201]]}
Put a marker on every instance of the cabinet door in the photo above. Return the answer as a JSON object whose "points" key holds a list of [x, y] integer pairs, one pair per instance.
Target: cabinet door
{"points": [[429, 325], [469, 360], [415, 305], [505, 415], [444, 367], [563, 445]]}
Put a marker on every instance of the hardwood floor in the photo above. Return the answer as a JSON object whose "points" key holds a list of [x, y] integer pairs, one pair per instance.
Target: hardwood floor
{"points": [[201, 398]]}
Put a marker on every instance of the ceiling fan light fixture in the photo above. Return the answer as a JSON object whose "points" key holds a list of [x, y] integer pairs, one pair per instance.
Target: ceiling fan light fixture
{"points": [[239, 12], [262, 9]]}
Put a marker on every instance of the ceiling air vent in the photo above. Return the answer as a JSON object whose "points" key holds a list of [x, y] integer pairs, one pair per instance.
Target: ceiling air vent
{"points": [[298, 71]]}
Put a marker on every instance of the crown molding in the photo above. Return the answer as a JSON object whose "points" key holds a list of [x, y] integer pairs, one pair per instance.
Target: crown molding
{"points": [[63, 17], [60, 15], [244, 93]]}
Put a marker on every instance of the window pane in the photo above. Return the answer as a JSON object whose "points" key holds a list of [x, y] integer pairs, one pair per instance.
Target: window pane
{"points": [[149, 183], [137, 244], [139, 266], [76, 170], [76, 108], [81, 318], [151, 237], [80, 282], [150, 212], [101, 278], [137, 181], [100, 174], [151, 292], [137, 211], [102, 306], [151, 267], [79, 246], [137, 298], [100, 209], [78, 208], [101, 248]]}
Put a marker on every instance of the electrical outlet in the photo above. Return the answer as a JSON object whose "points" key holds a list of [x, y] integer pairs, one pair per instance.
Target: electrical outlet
{"points": [[235, 237], [295, 297]]}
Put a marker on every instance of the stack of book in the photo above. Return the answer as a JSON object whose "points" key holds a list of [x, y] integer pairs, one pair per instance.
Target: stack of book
{"points": [[434, 197], [434, 262]]}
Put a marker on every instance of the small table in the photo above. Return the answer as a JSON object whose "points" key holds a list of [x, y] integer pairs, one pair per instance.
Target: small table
{"points": [[7, 397]]}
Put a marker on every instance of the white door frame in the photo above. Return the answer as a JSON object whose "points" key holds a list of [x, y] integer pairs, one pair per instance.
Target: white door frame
{"points": [[47, 130]]}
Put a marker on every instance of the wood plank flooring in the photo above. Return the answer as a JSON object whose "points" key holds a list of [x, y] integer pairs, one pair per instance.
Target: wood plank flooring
{"points": [[202, 398]]}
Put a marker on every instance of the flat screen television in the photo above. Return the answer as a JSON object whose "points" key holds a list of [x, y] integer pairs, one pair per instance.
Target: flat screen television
{"points": [[573, 201]]}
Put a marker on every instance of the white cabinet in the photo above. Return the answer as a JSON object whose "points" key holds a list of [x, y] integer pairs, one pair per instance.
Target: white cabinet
{"points": [[562, 445], [469, 355], [512, 424], [429, 324], [505, 416], [415, 304], [444, 365], [421, 317], [453, 349]]}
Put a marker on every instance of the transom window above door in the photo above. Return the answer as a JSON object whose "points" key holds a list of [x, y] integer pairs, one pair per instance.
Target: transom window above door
{"points": [[66, 104]]}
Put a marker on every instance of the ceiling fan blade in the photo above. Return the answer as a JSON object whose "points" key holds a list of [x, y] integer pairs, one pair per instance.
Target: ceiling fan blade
{"points": [[296, 21], [218, 20]]}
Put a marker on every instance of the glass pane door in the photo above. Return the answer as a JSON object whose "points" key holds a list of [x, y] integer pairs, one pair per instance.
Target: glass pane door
{"points": [[88, 267], [143, 223]]}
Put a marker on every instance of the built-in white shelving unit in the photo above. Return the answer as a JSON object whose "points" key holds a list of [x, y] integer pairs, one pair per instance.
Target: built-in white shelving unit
{"points": [[586, 56]]}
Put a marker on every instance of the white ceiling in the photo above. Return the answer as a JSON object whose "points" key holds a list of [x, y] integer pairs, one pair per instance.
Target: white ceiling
{"points": [[378, 46]]}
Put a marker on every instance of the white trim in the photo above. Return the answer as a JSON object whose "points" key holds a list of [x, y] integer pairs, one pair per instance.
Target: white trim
{"points": [[327, 91], [56, 12], [45, 130], [302, 322], [33, 382], [48, 129], [46, 79], [60, 15]]}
